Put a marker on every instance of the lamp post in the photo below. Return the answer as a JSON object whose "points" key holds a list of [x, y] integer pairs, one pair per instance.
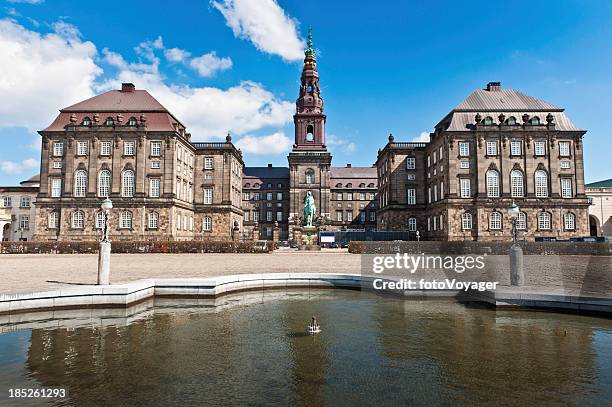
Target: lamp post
{"points": [[105, 245], [517, 277]]}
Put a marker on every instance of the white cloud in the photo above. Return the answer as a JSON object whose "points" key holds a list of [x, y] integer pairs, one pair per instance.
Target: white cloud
{"points": [[276, 143], [208, 64], [265, 24], [12, 167], [41, 73], [176, 54], [422, 138], [343, 144]]}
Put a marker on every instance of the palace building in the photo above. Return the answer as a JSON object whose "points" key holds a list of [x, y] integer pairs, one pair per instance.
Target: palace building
{"points": [[496, 147]]}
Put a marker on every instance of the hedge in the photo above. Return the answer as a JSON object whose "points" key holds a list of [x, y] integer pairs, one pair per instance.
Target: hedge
{"points": [[138, 247]]}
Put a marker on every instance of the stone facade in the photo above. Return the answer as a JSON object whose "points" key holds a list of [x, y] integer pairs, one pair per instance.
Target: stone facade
{"points": [[18, 211], [600, 211]]}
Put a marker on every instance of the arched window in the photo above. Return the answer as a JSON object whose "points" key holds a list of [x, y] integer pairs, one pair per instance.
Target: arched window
{"points": [[86, 121], [495, 221], [80, 183], [247, 185], [371, 185], [535, 120], [488, 121], [516, 184], [78, 220], [511, 121], [362, 185], [310, 132], [521, 221], [279, 186], [309, 176], [412, 224], [132, 122], [466, 221], [544, 221], [53, 220], [310, 88], [349, 185], [207, 224], [569, 221], [492, 184], [541, 184], [125, 220], [153, 220], [104, 183], [127, 183], [338, 185], [110, 121], [99, 220]]}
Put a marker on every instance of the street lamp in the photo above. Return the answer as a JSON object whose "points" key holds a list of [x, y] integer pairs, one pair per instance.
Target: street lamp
{"points": [[514, 212], [105, 245]]}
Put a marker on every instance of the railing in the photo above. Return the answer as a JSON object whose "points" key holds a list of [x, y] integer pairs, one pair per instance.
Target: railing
{"points": [[409, 145], [209, 145]]}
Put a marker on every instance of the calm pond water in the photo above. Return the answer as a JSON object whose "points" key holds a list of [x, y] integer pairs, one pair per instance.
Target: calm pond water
{"points": [[252, 349]]}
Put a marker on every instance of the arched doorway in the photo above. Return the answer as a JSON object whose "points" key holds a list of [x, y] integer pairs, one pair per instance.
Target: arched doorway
{"points": [[6, 232], [593, 225]]}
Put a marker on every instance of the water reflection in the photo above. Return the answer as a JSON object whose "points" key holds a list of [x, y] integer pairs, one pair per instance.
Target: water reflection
{"points": [[251, 348]]}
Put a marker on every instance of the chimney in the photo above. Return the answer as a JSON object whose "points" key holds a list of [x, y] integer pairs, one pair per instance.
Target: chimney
{"points": [[128, 87], [348, 165], [494, 86], [269, 165]]}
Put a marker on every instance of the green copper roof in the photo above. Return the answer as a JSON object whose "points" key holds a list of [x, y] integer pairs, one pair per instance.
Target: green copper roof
{"points": [[600, 184], [310, 52]]}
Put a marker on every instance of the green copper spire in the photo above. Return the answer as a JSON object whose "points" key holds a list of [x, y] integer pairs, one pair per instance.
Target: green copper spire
{"points": [[310, 52]]}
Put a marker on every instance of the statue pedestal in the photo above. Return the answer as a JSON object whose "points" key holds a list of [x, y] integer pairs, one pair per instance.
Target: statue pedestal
{"points": [[308, 238]]}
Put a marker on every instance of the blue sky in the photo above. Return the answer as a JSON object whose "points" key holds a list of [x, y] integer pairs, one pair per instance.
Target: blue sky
{"points": [[234, 65]]}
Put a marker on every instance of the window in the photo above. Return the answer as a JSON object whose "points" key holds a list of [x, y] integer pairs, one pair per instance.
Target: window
{"points": [[208, 163], [339, 196], [52, 222], [411, 177], [362, 217], [86, 121], [410, 163], [279, 186], [256, 196], [441, 189], [129, 148], [279, 196], [99, 220], [104, 183], [428, 223], [349, 216], [269, 216], [435, 157], [429, 195], [110, 121], [208, 196], [349, 196], [566, 188], [491, 148], [544, 221], [541, 184], [156, 148], [125, 220], [155, 165], [207, 224], [255, 216], [57, 164], [435, 193], [58, 149], [412, 224], [78, 220], [279, 216], [521, 221], [309, 176], [132, 122], [127, 183], [488, 121], [440, 153], [565, 165], [56, 187], [24, 222], [6, 202], [569, 221], [269, 185], [511, 121], [466, 221], [535, 120], [516, 184], [339, 216], [372, 216], [80, 183], [464, 164], [466, 191], [428, 161], [106, 148], [411, 192], [82, 147], [246, 216], [492, 184], [564, 148], [435, 223], [464, 148], [178, 221], [153, 221], [246, 196], [441, 222], [515, 147], [309, 132], [24, 202], [540, 148], [154, 187], [372, 196], [495, 221]]}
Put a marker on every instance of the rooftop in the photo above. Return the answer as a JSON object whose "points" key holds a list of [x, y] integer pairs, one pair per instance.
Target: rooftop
{"points": [[127, 99], [607, 183], [496, 99]]}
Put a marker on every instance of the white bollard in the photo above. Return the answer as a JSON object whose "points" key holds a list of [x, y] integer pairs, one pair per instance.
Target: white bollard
{"points": [[104, 263], [517, 276]]}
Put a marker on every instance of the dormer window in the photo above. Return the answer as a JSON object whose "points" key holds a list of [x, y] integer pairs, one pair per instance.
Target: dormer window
{"points": [[535, 120], [110, 121], [87, 121], [488, 121], [511, 121], [132, 122]]}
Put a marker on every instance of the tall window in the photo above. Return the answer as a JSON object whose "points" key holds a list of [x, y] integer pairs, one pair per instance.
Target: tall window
{"points": [[309, 133], [80, 183], [56, 187], [58, 149], [566, 188], [410, 163], [491, 147], [125, 220], [279, 216], [53, 220], [516, 184], [309, 176], [127, 183], [208, 163], [106, 148], [24, 222], [129, 148], [100, 220], [541, 184], [104, 183], [412, 224], [25, 202], [544, 221], [441, 189], [540, 148], [466, 221], [153, 220], [208, 196], [78, 220], [156, 148], [207, 224], [82, 147], [464, 148], [154, 187], [515, 147], [564, 148], [521, 221], [411, 196], [7, 202], [495, 221], [492, 184], [569, 221], [465, 188], [349, 216]]}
